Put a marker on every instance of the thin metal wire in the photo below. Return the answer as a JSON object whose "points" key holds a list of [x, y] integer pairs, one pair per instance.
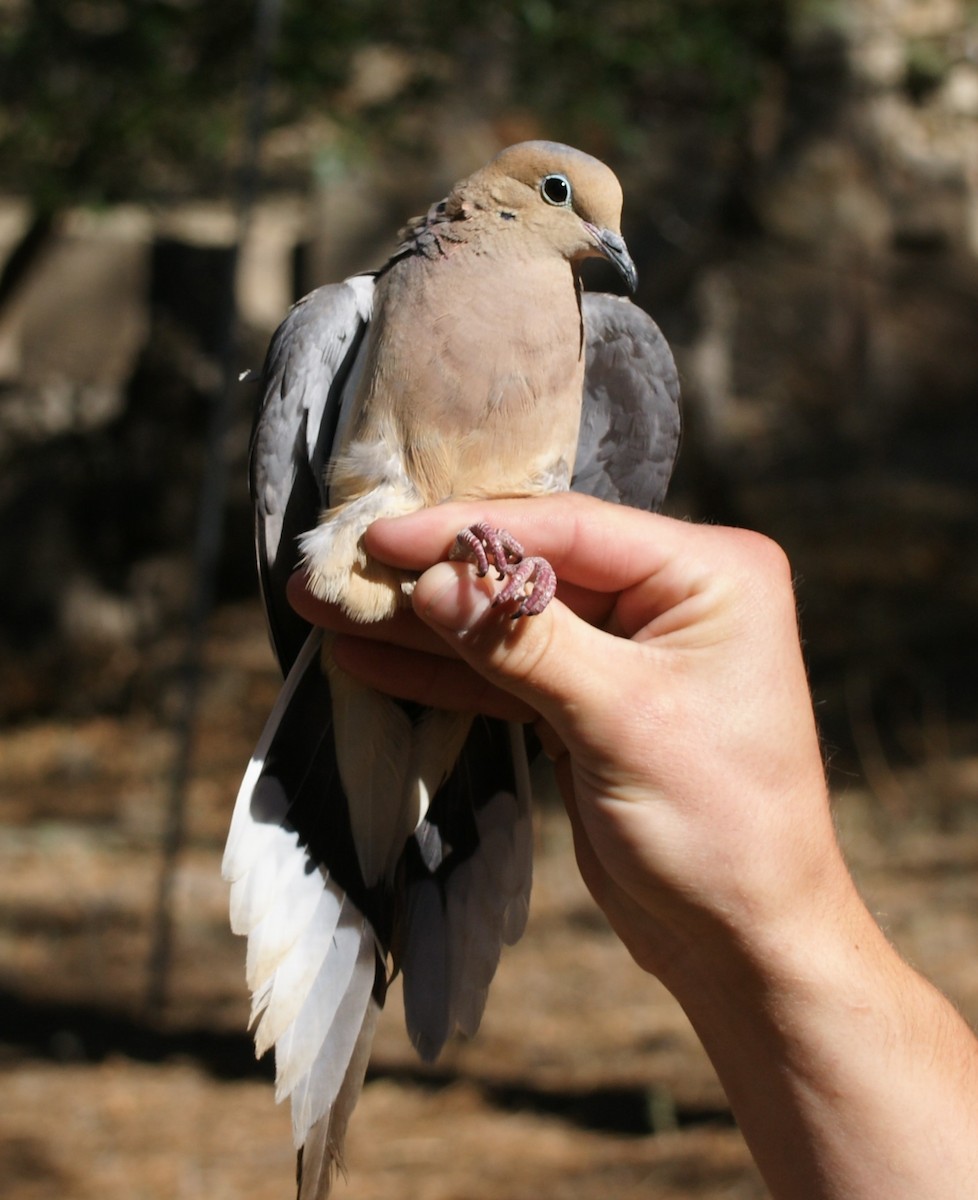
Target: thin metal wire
{"points": [[210, 522]]}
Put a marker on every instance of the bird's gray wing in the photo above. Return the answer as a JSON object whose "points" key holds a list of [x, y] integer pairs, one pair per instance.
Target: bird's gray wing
{"points": [[630, 420], [309, 373]]}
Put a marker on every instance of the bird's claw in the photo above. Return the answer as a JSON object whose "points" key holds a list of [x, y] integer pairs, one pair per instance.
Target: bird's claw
{"points": [[486, 547], [541, 577]]}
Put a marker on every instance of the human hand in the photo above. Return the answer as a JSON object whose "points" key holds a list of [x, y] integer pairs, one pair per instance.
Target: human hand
{"points": [[673, 697]]}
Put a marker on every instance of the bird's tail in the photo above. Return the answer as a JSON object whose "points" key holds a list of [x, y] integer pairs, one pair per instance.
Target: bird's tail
{"points": [[466, 875], [319, 932], [314, 964]]}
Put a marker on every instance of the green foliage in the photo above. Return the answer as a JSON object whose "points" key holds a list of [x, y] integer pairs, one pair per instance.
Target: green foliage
{"points": [[102, 100], [695, 52]]}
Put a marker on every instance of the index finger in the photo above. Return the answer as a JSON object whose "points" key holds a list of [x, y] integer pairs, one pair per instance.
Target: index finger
{"points": [[588, 542], [605, 549]]}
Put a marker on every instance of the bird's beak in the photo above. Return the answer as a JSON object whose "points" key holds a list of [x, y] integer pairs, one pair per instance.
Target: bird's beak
{"points": [[612, 247]]}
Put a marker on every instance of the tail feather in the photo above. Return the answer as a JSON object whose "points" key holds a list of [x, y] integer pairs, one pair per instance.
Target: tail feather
{"points": [[297, 1046], [316, 1090], [301, 969], [428, 1000], [469, 887], [275, 871], [489, 903], [322, 1154], [262, 800], [298, 902]]}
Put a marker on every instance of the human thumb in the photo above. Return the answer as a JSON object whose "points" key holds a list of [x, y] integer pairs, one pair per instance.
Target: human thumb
{"points": [[553, 660]]}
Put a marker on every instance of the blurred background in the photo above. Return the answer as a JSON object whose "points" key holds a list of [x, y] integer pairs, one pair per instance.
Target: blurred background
{"points": [[801, 183]]}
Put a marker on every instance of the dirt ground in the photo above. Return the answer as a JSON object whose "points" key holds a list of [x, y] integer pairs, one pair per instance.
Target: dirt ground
{"points": [[584, 1081]]}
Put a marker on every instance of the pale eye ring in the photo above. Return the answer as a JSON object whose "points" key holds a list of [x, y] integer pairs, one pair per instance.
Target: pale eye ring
{"points": [[556, 189]]}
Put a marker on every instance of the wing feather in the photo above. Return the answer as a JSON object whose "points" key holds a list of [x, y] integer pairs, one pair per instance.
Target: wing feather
{"points": [[630, 419], [307, 381]]}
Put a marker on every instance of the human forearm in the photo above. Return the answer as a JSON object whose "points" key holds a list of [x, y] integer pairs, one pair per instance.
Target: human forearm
{"points": [[850, 1076]]}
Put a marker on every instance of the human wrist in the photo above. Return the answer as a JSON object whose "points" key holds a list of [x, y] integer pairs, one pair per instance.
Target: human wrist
{"points": [[769, 939]]}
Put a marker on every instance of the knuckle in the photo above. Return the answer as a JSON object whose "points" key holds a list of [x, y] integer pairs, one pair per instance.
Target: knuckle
{"points": [[761, 557]]}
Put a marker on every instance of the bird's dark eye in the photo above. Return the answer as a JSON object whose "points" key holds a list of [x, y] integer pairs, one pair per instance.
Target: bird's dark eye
{"points": [[556, 189]]}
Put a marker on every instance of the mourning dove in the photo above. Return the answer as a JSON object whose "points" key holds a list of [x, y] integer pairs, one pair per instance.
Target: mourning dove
{"points": [[366, 829]]}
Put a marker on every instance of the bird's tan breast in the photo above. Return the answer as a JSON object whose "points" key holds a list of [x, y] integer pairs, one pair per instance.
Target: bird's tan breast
{"points": [[478, 363]]}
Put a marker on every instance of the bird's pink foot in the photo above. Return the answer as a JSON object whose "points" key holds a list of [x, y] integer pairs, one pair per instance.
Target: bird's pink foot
{"points": [[487, 547]]}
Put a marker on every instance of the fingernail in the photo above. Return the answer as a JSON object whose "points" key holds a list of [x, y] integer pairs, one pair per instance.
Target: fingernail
{"points": [[450, 595]]}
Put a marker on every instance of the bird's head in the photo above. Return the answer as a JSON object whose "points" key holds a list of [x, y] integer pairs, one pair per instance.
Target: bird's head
{"points": [[558, 196]]}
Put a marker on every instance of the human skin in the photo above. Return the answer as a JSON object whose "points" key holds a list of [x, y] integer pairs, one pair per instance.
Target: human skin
{"points": [[667, 682]]}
